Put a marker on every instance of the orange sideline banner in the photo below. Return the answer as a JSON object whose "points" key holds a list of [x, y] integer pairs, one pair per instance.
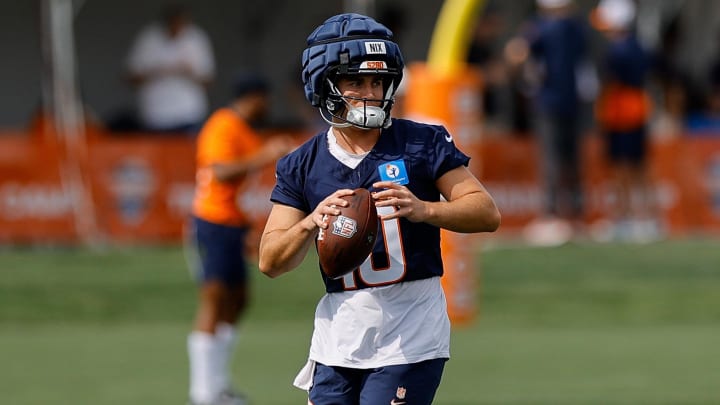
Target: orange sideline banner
{"points": [[34, 206], [142, 185], [685, 173]]}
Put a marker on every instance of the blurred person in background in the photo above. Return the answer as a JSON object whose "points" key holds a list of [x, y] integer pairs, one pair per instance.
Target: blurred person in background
{"points": [[171, 63], [553, 51], [228, 148], [501, 109], [676, 92], [706, 119], [622, 113]]}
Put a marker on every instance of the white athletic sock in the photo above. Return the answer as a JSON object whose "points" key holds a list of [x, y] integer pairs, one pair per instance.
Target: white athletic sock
{"points": [[203, 351], [226, 336]]}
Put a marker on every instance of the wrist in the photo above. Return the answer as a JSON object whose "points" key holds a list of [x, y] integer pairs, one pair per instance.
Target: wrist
{"points": [[308, 225]]}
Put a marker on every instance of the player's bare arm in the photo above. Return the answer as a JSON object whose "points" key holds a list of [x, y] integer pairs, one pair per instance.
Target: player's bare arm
{"points": [[468, 206], [289, 233], [272, 150]]}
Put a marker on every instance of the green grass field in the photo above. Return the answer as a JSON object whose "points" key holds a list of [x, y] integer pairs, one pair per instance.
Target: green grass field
{"points": [[578, 324]]}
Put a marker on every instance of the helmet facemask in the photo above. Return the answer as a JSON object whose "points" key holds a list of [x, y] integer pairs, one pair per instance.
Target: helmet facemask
{"points": [[339, 111]]}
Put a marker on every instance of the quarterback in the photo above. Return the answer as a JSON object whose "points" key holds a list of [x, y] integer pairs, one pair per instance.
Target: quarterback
{"points": [[381, 333]]}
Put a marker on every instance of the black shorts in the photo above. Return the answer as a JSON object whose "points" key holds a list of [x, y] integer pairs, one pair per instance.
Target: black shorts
{"points": [[412, 384], [627, 146], [220, 251]]}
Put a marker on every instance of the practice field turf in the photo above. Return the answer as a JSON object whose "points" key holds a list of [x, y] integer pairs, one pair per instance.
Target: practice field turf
{"points": [[578, 324]]}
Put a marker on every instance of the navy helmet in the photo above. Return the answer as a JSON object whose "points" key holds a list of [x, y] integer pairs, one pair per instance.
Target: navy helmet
{"points": [[348, 44]]}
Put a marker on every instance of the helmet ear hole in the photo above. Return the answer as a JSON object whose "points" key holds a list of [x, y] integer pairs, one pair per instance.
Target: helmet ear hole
{"points": [[333, 99], [331, 105], [334, 104]]}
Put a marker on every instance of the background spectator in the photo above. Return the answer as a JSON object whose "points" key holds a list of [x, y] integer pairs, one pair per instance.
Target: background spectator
{"points": [[678, 92], [706, 119], [171, 63], [622, 113], [557, 50], [504, 103]]}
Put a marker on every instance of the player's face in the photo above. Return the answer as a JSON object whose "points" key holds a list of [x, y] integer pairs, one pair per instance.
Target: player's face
{"points": [[368, 87]]}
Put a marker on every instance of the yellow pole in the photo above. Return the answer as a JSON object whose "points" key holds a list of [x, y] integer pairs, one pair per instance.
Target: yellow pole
{"points": [[435, 92], [450, 40]]}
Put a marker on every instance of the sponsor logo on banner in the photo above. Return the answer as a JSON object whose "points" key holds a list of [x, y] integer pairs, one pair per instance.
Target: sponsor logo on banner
{"points": [[712, 180], [254, 197], [132, 183], [180, 199], [34, 201]]}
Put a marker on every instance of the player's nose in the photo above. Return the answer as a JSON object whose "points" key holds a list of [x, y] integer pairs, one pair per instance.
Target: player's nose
{"points": [[366, 92]]}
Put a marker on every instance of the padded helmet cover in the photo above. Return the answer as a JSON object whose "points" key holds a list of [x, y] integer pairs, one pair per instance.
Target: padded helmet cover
{"points": [[341, 45]]}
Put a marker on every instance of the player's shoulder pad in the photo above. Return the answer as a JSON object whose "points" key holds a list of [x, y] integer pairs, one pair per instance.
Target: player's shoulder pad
{"points": [[304, 154], [422, 131]]}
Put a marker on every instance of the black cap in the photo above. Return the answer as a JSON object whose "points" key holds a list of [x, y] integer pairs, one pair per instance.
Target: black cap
{"points": [[247, 83]]}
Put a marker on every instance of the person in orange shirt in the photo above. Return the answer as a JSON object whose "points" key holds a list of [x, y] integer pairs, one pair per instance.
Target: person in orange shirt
{"points": [[623, 113], [228, 148]]}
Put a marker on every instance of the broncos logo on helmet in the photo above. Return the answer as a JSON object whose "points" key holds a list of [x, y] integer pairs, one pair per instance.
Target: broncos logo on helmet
{"points": [[349, 44]]}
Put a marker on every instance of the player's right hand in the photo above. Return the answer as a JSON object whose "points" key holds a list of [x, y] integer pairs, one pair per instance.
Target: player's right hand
{"points": [[329, 206]]}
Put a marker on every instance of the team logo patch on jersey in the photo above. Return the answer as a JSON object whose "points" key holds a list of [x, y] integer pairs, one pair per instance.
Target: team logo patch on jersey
{"points": [[394, 171], [345, 227], [375, 48]]}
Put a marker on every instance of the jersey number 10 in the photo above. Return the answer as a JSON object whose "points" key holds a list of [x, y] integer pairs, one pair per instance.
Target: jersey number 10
{"points": [[395, 270]]}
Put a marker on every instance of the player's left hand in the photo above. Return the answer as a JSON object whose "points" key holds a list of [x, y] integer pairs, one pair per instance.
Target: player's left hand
{"points": [[406, 204]]}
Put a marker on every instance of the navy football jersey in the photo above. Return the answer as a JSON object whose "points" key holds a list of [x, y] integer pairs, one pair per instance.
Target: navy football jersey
{"points": [[411, 153]]}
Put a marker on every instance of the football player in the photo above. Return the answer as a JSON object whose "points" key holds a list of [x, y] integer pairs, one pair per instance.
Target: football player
{"points": [[382, 332], [227, 150]]}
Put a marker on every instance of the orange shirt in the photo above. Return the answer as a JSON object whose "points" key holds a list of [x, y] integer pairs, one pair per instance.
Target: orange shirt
{"points": [[623, 108], [224, 138]]}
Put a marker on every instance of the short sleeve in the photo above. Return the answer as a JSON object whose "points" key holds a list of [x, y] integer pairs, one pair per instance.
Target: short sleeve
{"points": [[288, 186], [216, 142], [224, 139], [445, 155]]}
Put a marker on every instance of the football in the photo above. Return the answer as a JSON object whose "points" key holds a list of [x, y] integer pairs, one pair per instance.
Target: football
{"points": [[350, 236]]}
